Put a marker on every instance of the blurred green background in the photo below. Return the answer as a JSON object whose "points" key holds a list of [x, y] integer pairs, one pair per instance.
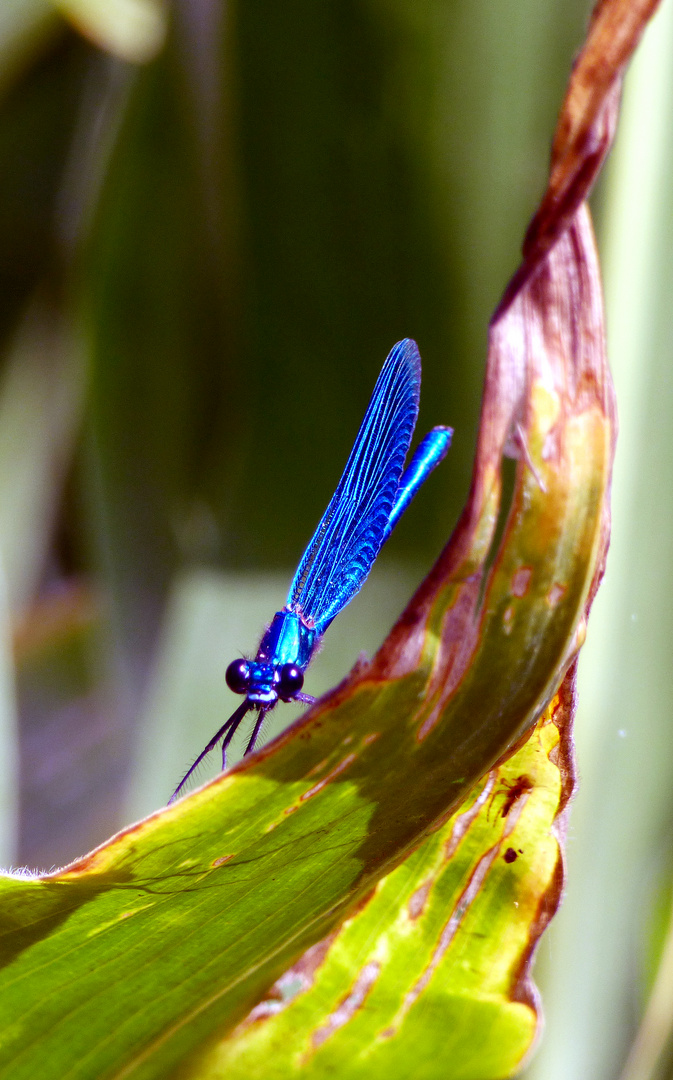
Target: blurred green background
{"points": [[215, 221]]}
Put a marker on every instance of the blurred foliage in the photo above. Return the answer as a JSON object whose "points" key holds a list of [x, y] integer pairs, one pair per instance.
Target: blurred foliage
{"points": [[204, 261], [598, 959], [232, 236]]}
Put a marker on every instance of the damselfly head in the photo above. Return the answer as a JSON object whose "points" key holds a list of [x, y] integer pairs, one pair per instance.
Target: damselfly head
{"points": [[264, 683]]}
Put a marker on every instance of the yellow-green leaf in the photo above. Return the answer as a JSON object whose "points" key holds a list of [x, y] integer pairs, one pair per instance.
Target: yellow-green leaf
{"points": [[430, 974]]}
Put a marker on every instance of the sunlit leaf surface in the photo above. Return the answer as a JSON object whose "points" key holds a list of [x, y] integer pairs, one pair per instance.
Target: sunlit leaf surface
{"points": [[430, 974]]}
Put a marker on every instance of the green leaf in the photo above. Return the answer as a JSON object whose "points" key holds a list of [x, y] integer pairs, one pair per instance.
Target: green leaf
{"points": [[26, 26], [192, 914], [155, 908], [429, 976]]}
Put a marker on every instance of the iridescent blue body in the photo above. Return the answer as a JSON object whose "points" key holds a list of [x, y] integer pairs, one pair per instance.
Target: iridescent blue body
{"points": [[287, 641], [371, 496]]}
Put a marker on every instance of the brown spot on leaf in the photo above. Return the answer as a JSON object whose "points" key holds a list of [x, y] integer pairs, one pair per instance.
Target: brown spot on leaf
{"points": [[348, 760], [296, 980], [521, 580], [350, 1004], [222, 859], [464, 820], [319, 767], [510, 855], [447, 935], [307, 966], [419, 898], [556, 593]]}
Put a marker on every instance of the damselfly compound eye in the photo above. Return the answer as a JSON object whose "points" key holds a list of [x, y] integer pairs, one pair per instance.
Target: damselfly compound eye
{"points": [[238, 676], [291, 680]]}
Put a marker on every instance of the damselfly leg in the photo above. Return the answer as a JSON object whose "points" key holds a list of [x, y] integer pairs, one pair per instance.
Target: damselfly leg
{"points": [[227, 730]]}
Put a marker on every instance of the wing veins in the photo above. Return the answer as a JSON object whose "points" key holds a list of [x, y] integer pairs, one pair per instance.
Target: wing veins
{"points": [[350, 533]]}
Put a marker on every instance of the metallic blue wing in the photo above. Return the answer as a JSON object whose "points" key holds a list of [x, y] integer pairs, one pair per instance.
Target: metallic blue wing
{"points": [[354, 526]]}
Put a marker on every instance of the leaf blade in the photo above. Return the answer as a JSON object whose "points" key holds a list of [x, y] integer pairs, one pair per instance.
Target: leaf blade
{"points": [[401, 985]]}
